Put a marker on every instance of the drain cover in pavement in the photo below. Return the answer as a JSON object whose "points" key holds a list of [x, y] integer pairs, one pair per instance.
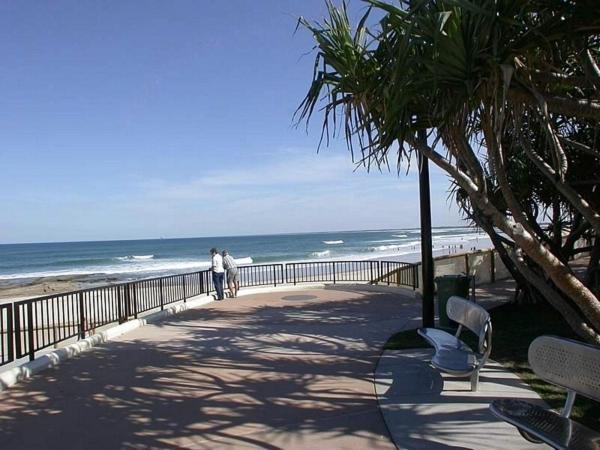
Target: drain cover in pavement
{"points": [[299, 297]]}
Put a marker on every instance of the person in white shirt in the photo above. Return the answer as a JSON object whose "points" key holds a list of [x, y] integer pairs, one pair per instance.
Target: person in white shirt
{"points": [[218, 273]]}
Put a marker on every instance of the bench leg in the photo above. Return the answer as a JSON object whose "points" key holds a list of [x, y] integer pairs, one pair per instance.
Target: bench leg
{"points": [[475, 380]]}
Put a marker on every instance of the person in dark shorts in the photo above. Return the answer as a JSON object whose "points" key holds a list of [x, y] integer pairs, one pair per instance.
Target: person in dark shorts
{"points": [[233, 274], [218, 273]]}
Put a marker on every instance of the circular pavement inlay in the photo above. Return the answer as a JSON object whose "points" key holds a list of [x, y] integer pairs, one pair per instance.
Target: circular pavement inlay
{"points": [[299, 297]]}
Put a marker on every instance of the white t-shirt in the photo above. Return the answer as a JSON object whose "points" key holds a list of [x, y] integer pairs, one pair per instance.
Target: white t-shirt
{"points": [[217, 263]]}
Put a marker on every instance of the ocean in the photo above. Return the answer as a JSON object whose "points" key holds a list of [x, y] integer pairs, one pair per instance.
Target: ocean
{"points": [[121, 260]]}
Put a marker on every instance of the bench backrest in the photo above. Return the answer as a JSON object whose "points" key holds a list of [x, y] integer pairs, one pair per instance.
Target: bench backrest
{"points": [[474, 317], [570, 364]]}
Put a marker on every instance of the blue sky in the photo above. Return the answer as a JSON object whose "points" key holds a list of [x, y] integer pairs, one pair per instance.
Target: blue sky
{"points": [[125, 119]]}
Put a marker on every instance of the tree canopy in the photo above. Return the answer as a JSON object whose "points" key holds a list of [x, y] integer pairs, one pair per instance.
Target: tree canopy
{"points": [[508, 92]]}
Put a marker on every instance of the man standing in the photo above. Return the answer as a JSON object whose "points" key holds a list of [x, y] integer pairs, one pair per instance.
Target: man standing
{"points": [[217, 272], [233, 276]]}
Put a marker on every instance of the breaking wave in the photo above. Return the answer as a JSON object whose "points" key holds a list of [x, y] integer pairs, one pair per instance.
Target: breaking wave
{"points": [[135, 258], [246, 260], [333, 242], [384, 248]]}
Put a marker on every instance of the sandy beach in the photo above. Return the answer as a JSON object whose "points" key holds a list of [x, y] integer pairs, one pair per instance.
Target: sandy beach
{"points": [[36, 288]]}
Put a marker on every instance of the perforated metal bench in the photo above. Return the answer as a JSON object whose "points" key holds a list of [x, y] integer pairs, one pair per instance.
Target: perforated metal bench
{"points": [[452, 355], [572, 365]]}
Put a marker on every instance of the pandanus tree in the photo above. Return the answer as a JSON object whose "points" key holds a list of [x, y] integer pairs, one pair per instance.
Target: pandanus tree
{"points": [[508, 94]]}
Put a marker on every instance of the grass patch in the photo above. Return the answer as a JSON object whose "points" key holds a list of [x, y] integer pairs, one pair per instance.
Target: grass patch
{"points": [[515, 327]]}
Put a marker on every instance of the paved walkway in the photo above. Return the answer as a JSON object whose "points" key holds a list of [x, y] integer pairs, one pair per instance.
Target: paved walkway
{"points": [[280, 370], [425, 409]]}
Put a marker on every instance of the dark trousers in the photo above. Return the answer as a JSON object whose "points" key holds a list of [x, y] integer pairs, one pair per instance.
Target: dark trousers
{"points": [[218, 282]]}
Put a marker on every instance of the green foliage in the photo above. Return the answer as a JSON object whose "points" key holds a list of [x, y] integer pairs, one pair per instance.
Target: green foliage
{"points": [[507, 92], [439, 62]]}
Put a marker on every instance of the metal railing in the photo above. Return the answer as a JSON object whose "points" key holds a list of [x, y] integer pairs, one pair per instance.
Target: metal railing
{"points": [[399, 273], [31, 325], [332, 271], [6, 334], [252, 276]]}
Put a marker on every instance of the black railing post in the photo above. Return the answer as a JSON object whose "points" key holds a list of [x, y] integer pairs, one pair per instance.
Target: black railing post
{"points": [[371, 276], [30, 337], [207, 284], [10, 333], [294, 271], [162, 299], [333, 272], [17, 322], [415, 277], [127, 301], [184, 290], [119, 306], [274, 276], [135, 301], [81, 316]]}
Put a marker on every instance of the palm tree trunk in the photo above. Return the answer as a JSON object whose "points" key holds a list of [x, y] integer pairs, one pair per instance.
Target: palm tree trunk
{"points": [[560, 274]]}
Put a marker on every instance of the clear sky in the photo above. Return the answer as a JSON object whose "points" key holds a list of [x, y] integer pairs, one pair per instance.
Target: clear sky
{"points": [[130, 119]]}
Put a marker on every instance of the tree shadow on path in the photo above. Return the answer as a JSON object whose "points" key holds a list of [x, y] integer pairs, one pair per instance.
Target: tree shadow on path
{"points": [[257, 372]]}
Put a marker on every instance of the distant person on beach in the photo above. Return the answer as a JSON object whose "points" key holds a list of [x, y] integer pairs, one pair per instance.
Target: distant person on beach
{"points": [[233, 275], [218, 272]]}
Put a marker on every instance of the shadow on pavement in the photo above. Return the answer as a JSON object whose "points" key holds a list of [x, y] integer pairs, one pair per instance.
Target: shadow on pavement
{"points": [[255, 372]]}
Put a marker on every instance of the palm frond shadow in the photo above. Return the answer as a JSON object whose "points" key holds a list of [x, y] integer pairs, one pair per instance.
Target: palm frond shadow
{"points": [[240, 373]]}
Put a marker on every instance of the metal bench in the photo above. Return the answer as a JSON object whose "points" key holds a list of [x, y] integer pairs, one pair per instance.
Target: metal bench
{"points": [[569, 364], [452, 355]]}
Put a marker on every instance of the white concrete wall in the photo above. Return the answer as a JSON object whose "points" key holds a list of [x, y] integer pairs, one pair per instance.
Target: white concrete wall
{"points": [[479, 265]]}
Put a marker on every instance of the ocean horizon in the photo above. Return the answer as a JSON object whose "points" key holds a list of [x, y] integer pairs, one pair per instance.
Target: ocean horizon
{"points": [[129, 259]]}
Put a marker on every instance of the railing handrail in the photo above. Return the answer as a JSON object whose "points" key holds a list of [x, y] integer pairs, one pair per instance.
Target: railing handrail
{"points": [[340, 261], [104, 286], [40, 322], [142, 280], [125, 283]]}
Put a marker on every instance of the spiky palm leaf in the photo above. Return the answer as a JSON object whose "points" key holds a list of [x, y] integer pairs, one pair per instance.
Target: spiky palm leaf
{"points": [[503, 85]]}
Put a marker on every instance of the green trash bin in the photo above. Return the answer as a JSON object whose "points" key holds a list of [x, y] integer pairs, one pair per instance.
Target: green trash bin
{"points": [[447, 286]]}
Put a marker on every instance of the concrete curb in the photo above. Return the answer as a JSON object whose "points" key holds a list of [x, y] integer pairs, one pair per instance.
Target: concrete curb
{"points": [[56, 357]]}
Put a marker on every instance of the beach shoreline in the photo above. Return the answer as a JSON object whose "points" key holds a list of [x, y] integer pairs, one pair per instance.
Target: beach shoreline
{"points": [[16, 289]]}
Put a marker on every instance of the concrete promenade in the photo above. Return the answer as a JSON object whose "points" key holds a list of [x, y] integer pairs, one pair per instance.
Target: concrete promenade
{"points": [[426, 409], [278, 370], [285, 369]]}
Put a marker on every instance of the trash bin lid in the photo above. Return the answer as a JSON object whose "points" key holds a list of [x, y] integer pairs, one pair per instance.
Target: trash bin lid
{"points": [[451, 277]]}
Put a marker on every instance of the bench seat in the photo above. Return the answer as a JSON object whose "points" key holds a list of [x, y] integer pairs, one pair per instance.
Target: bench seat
{"points": [[546, 425], [451, 354], [569, 364]]}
